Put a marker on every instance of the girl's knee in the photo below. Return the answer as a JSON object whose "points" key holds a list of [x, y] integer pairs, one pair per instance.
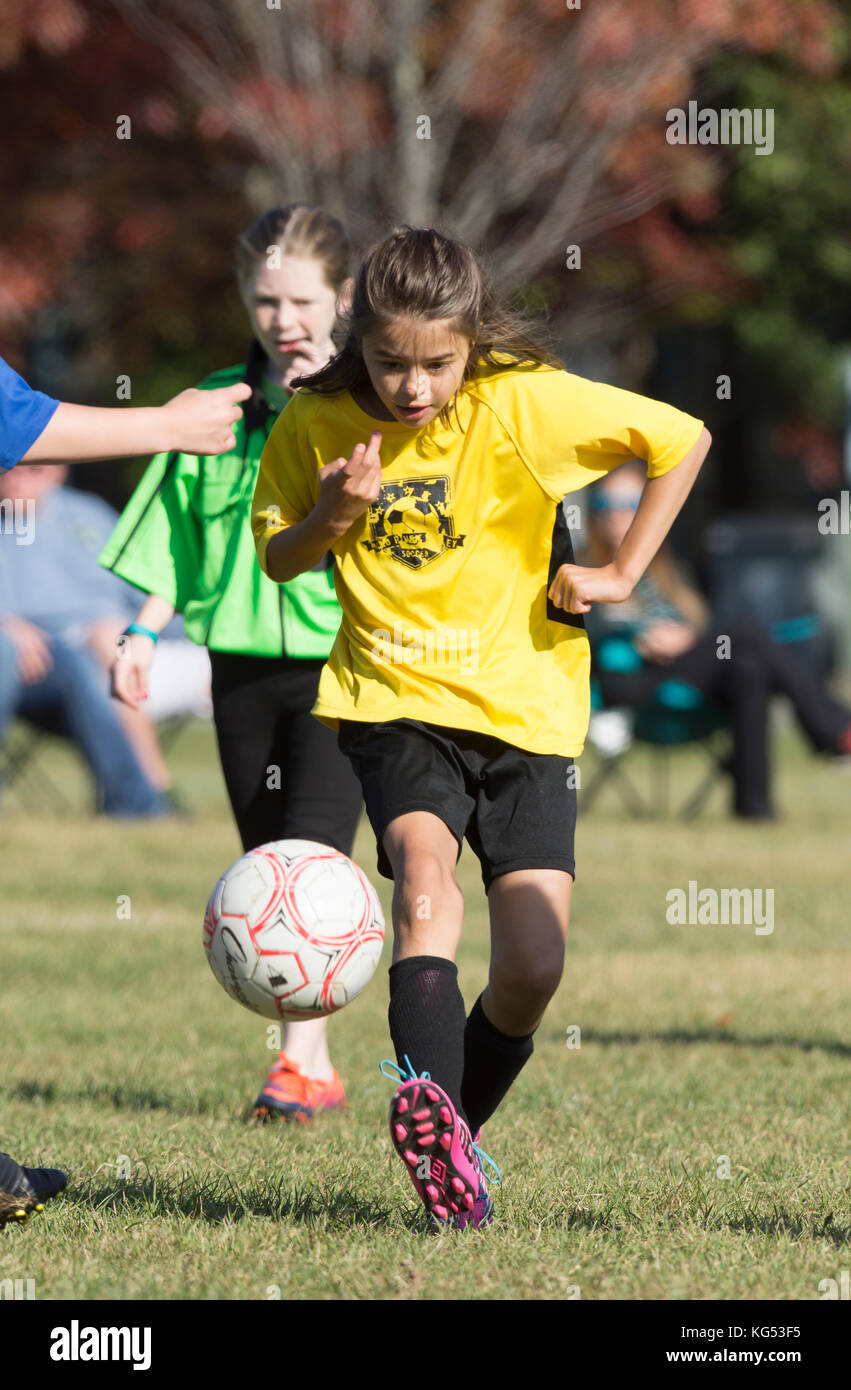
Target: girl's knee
{"points": [[425, 871], [530, 984]]}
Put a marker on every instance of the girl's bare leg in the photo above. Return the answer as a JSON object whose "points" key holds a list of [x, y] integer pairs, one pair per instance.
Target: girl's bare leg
{"points": [[529, 913], [428, 905], [306, 1044]]}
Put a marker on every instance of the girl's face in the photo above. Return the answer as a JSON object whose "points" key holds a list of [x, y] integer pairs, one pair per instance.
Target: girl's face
{"points": [[415, 368], [291, 306]]}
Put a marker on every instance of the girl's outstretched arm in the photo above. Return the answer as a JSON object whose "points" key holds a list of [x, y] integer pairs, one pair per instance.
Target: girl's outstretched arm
{"points": [[194, 422], [576, 587]]}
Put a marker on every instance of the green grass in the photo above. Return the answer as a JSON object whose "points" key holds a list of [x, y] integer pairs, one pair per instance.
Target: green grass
{"points": [[121, 1055]]}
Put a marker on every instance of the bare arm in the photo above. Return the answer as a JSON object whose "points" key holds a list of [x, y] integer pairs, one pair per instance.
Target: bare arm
{"points": [[131, 667], [300, 547], [194, 422], [661, 502], [346, 489], [576, 587], [155, 613]]}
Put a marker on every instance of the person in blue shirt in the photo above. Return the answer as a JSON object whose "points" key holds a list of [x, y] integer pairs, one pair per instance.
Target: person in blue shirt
{"points": [[36, 428], [60, 613]]}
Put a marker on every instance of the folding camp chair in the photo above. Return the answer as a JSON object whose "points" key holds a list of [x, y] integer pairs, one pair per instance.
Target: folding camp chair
{"points": [[24, 767], [676, 715]]}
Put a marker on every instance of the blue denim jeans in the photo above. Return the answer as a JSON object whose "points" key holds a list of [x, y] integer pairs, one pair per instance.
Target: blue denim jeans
{"points": [[74, 687]]}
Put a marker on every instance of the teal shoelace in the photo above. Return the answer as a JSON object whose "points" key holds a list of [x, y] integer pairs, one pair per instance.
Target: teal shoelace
{"points": [[396, 1073], [401, 1074], [494, 1175]]}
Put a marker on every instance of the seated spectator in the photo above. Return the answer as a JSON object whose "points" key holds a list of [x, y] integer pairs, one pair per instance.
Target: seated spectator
{"points": [[60, 617], [665, 636]]}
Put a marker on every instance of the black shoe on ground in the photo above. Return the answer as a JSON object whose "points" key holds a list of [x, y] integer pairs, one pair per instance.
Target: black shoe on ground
{"points": [[24, 1190]]}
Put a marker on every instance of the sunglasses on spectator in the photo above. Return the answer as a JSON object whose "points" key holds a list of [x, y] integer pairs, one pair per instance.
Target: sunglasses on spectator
{"points": [[600, 503]]}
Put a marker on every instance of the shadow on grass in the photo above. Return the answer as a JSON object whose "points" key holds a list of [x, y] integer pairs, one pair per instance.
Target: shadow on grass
{"points": [[214, 1203], [784, 1224], [679, 1037], [120, 1097], [780, 1223], [343, 1209]]}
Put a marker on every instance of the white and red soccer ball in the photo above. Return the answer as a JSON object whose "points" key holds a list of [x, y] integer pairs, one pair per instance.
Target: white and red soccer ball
{"points": [[293, 930]]}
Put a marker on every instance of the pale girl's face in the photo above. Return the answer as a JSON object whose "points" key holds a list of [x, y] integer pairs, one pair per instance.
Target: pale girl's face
{"points": [[291, 305], [415, 368]]}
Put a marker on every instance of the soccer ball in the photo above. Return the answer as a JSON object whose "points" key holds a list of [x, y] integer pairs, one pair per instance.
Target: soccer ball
{"points": [[293, 930]]}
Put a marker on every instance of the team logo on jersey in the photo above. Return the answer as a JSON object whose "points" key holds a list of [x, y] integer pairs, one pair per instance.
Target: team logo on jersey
{"points": [[411, 521]]}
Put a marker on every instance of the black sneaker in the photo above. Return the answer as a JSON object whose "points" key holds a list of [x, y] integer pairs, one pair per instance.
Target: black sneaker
{"points": [[24, 1190]]}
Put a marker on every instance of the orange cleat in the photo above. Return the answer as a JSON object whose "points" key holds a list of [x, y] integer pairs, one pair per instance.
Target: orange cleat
{"points": [[290, 1095]]}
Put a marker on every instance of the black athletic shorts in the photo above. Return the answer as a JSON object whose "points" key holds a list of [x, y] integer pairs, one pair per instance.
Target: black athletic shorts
{"points": [[516, 809], [261, 710]]}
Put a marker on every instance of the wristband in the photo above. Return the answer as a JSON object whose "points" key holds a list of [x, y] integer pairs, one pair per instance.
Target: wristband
{"points": [[136, 628]]}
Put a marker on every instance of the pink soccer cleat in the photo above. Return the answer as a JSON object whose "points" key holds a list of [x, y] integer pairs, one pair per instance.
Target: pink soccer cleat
{"points": [[438, 1151]]}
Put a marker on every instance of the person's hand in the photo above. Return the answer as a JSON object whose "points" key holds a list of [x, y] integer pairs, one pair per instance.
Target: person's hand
{"points": [[201, 422], [131, 669], [32, 650], [309, 357], [665, 640], [576, 587], [347, 487]]}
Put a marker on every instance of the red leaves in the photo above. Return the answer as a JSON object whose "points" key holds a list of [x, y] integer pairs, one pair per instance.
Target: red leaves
{"points": [[54, 26]]}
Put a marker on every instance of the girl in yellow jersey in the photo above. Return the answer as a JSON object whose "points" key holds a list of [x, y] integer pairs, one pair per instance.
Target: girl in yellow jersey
{"points": [[431, 456]]}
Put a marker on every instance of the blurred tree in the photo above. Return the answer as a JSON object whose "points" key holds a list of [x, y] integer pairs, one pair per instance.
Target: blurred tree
{"points": [[780, 230], [520, 124], [115, 255], [785, 226], [529, 127], [525, 126]]}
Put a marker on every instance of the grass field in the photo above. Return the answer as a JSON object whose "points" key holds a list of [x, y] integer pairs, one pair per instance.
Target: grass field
{"points": [[704, 1050]]}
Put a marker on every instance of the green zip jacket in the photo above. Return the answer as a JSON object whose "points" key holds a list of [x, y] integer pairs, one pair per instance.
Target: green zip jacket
{"points": [[186, 535]]}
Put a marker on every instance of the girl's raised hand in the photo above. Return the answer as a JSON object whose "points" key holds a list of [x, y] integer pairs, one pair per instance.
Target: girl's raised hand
{"points": [[347, 487], [576, 587], [309, 358]]}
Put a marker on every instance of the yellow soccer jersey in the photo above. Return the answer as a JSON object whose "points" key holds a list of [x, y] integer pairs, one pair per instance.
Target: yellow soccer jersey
{"points": [[443, 581]]}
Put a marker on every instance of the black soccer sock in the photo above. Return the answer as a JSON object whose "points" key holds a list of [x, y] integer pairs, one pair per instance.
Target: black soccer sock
{"points": [[492, 1062], [427, 1020]]}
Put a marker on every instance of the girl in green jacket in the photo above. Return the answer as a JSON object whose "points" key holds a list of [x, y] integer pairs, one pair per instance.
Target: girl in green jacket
{"points": [[185, 538]]}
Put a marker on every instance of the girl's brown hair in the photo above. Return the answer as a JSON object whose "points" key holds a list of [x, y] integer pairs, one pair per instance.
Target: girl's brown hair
{"points": [[422, 274], [298, 230]]}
